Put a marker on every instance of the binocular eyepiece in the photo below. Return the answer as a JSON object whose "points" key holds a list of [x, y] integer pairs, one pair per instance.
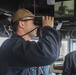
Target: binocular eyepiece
{"points": [[38, 21]]}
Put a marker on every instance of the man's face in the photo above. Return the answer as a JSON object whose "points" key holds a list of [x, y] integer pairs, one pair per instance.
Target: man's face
{"points": [[29, 25]]}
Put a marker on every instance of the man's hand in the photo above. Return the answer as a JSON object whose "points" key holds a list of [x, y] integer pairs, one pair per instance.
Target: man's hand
{"points": [[47, 21]]}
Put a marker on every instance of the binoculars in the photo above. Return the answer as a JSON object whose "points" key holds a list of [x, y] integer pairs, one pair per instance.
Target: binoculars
{"points": [[38, 21]]}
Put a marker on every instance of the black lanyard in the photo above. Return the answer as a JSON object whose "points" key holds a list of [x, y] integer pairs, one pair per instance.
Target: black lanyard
{"points": [[30, 31]]}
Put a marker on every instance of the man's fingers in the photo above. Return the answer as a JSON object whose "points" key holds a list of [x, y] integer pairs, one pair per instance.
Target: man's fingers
{"points": [[47, 21], [43, 17]]}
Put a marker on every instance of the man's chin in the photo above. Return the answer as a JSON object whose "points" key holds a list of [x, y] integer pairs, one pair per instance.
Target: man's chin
{"points": [[33, 36]]}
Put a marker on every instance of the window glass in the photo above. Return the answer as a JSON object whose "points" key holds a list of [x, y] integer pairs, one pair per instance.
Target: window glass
{"points": [[72, 44], [2, 39], [64, 47]]}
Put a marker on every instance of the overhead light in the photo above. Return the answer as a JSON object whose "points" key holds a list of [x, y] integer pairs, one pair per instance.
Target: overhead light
{"points": [[59, 26], [9, 19], [65, 21], [7, 14], [50, 2]]}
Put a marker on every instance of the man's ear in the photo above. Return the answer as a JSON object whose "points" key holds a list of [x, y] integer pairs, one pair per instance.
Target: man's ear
{"points": [[21, 24]]}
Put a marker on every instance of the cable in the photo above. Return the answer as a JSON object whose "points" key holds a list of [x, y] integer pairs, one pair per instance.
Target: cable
{"points": [[30, 31]]}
